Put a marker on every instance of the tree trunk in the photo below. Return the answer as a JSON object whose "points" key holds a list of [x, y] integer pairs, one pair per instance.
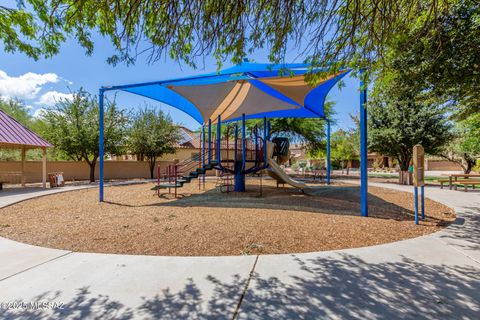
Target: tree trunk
{"points": [[92, 171], [469, 163], [404, 176], [151, 165]]}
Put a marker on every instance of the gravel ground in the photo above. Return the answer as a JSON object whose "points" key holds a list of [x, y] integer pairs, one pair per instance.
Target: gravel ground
{"points": [[209, 223]]}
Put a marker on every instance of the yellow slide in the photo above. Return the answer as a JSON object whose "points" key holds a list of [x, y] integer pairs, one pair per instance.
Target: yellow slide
{"points": [[276, 172]]}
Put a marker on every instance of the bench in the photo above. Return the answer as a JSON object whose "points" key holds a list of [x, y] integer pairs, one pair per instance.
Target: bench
{"points": [[467, 183], [442, 181]]}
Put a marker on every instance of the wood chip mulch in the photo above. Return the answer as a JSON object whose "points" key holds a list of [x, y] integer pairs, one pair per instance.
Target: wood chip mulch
{"points": [[210, 223]]}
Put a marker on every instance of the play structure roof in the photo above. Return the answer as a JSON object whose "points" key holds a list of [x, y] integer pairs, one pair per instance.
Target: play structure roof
{"points": [[255, 89], [15, 135]]}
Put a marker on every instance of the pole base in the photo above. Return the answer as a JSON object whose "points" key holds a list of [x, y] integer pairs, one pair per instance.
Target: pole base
{"points": [[239, 178]]}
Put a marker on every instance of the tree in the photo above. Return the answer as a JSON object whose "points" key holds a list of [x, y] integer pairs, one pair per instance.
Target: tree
{"points": [[310, 131], [73, 127], [444, 59], [465, 147], [17, 110], [346, 31], [152, 135], [397, 122], [344, 147]]}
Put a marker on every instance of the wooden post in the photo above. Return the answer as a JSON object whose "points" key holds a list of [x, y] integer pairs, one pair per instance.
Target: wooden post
{"points": [[418, 166], [23, 180], [44, 167]]}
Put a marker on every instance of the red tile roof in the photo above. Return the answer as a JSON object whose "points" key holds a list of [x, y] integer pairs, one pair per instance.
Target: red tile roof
{"points": [[13, 134]]}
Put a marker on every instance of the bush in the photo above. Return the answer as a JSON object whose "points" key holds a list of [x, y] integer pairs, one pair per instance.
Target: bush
{"points": [[476, 168]]}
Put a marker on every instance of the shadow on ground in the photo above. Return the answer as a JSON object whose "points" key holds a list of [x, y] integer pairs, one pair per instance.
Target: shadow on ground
{"points": [[465, 229], [342, 287], [339, 199]]}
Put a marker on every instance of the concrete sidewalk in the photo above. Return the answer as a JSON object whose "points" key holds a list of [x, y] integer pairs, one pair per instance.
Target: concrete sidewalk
{"points": [[435, 276]]}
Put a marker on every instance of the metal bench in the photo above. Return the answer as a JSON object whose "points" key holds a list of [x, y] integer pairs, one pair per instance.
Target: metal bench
{"points": [[467, 183]]}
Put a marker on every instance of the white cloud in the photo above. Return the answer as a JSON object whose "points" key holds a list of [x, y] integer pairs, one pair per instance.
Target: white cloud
{"points": [[51, 97], [26, 86], [38, 113]]}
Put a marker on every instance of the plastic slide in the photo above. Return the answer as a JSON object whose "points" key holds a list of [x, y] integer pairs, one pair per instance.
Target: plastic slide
{"points": [[276, 172]]}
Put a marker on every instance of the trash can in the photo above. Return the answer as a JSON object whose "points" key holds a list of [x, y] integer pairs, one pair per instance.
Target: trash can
{"points": [[56, 179]]}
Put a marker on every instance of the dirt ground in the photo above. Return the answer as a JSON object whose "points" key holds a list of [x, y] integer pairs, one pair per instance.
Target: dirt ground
{"points": [[134, 220]]}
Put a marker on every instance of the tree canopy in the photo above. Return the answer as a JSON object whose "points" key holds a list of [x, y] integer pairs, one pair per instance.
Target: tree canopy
{"points": [[73, 127], [152, 135], [464, 148], [331, 33], [443, 61], [397, 122]]}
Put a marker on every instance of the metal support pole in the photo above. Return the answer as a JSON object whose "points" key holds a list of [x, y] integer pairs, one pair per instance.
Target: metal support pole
{"points": [[219, 135], [363, 150], [209, 141], [328, 152], [422, 192], [264, 140], [100, 143], [255, 136], [236, 143], [415, 202], [244, 148]]}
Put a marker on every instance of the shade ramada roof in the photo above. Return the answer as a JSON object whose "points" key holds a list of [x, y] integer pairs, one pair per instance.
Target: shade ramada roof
{"points": [[254, 89], [15, 135]]}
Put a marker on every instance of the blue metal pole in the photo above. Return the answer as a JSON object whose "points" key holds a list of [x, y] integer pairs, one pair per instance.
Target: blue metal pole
{"points": [[328, 152], [244, 147], [363, 150], [209, 141], [264, 140], [255, 136], [415, 201], [236, 142], [219, 134], [101, 143], [268, 130], [422, 192]]}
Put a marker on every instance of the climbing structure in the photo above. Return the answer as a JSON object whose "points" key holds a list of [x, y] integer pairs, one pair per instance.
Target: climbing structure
{"points": [[237, 156]]}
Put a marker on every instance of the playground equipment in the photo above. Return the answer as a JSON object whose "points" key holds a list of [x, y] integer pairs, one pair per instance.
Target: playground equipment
{"points": [[245, 91], [249, 156], [279, 149]]}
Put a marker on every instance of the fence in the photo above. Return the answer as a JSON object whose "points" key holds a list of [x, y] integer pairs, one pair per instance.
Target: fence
{"points": [[10, 172]]}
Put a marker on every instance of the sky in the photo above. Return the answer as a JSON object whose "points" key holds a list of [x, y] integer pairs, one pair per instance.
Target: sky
{"points": [[41, 83]]}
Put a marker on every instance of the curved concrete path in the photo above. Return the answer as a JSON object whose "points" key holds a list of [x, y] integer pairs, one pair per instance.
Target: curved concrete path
{"points": [[431, 277]]}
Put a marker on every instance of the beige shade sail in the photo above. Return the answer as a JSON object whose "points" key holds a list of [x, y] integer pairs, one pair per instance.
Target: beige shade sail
{"points": [[230, 99], [293, 87]]}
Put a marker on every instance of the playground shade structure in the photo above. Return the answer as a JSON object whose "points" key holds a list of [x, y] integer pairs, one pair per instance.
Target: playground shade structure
{"points": [[254, 89], [242, 92]]}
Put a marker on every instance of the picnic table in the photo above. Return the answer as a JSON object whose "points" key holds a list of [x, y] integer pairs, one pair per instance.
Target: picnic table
{"points": [[453, 177]]}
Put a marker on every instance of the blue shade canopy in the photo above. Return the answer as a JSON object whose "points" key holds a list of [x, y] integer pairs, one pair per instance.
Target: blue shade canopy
{"points": [[254, 89]]}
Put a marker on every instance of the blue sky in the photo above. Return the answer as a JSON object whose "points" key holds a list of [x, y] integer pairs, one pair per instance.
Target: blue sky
{"points": [[40, 83]]}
